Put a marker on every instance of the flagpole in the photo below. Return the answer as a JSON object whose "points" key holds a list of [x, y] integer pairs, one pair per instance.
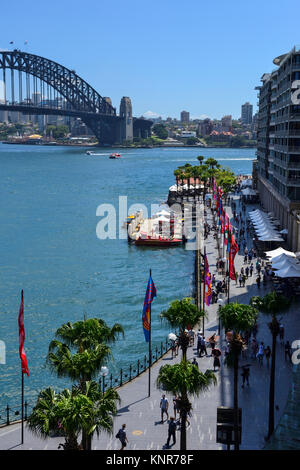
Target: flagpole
{"points": [[203, 300], [22, 409], [150, 354], [228, 265]]}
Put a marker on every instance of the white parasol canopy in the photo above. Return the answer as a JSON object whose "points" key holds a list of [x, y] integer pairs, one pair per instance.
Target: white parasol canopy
{"points": [[289, 271], [273, 253]]}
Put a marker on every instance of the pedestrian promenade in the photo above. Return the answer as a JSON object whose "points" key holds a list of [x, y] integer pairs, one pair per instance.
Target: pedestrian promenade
{"points": [[142, 413]]}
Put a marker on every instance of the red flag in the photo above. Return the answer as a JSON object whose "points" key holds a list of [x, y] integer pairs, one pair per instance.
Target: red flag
{"points": [[233, 251], [22, 338]]}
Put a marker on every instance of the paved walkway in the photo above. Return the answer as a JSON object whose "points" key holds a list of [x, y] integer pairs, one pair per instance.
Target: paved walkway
{"points": [[142, 414]]}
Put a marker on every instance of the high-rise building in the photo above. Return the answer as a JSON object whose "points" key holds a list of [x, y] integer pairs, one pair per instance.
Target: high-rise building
{"points": [[278, 144], [246, 113], [185, 117]]}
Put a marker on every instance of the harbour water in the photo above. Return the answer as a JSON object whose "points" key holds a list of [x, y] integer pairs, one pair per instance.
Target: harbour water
{"points": [[49, 248]]}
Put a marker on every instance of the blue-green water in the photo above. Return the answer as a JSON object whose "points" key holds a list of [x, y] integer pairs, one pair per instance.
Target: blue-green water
{"points": [[49, 248]]}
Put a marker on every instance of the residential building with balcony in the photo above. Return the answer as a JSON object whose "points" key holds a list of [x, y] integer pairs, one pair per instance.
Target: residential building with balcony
{"points": [[278, 143]]}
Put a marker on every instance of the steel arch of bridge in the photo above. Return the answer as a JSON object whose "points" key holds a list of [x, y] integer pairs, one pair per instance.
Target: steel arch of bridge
{"points": [[81, 96]]}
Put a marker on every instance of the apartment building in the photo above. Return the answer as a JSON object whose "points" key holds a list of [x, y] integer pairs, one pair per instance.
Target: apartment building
{"points": [[278, 143]]}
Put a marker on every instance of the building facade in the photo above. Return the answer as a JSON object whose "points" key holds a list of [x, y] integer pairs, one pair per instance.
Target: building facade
{"points": [[185, 117], [278, 144], [246, 113]]}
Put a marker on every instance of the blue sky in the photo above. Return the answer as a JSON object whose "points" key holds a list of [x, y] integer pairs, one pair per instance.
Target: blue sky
{"points": [[167, 55]]}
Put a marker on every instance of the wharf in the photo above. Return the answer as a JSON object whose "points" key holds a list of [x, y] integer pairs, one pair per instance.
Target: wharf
{"points": [[155, 228], [142, 414]]}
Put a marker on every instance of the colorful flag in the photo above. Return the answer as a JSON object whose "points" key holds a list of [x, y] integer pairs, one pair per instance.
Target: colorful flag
{"points": [[22, 338], [233, 251], [227, 228], [207, 282], [150, 294]]}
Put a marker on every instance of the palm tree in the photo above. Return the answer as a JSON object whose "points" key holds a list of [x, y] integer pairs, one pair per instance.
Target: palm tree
{"points": [[177, 174], [81, 366], [88, 333], [200, 158], [272, 304], [212, 163], [89, 338], [73, 411], [182, 314], [238, 318], [184, 379]]}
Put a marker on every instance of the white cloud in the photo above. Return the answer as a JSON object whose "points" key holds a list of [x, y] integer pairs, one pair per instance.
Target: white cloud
{"points": [[151, 114]]}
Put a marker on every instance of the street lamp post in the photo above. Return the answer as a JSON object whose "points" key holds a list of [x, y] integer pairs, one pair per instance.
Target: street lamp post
{"points": [[103, 372], [220, 302]]}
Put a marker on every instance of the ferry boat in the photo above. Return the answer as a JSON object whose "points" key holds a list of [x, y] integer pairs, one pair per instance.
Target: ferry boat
{"points": [[115, 155], [162, 242]]}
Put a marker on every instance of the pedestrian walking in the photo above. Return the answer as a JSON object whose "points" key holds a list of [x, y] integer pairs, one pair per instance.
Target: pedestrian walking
{"points": [[164, 405], [203, 347], [261, 353], [281, 333], [254, 348], [240, 279], [247, 272], [175, 405], [245, 374], [258, 281], [251, 269], [122, 436], [288, 351], [216, 353], [195, 363], [171, 431], [244, 280], [268, 355], [199, 339]]}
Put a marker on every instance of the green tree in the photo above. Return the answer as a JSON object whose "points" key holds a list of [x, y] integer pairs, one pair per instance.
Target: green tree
{"points": [[184, 379], [85, 409], [192, 140], [238, 318], [272, 304], [89, 339], [200, 158], [161, 131], [182, 314], [60, 132]]}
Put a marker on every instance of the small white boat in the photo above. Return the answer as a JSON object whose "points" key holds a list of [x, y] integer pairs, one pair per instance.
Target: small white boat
{"points": [[88, 152]]}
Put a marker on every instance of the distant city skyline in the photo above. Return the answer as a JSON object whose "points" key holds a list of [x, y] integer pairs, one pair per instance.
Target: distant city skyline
{"points": [[140, 52]]}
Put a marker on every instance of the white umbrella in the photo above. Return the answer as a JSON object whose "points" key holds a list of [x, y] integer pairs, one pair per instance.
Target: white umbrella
{"points": [[273, 253], [284, 262], [289, 271], [270, 238], [162, 218]]}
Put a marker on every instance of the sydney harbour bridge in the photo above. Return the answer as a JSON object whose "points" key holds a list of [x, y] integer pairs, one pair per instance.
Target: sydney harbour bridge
{"points": [[36, 85]]}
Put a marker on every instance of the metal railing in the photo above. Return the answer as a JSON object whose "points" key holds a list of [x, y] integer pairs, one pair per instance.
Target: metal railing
{"points": [[10, 415]]}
